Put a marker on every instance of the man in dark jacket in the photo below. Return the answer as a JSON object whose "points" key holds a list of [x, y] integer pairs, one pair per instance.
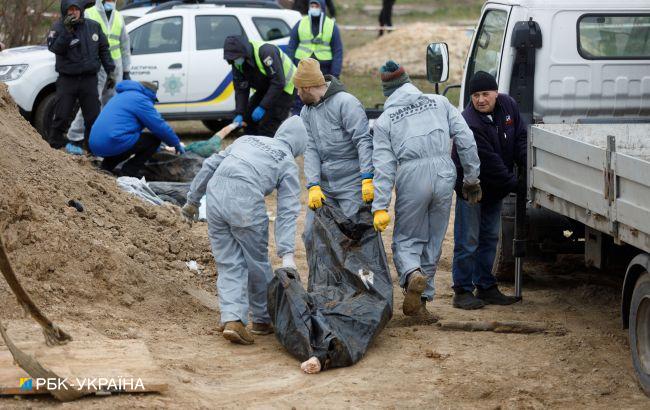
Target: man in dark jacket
{"points": [[81, 48], [118, 132], [500, 135], [266, 69], [316, 36]]}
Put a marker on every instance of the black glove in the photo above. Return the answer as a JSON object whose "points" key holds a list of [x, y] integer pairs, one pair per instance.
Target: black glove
{"points": [[110, 81], [68, 23], [472, 192], [126, 75]]}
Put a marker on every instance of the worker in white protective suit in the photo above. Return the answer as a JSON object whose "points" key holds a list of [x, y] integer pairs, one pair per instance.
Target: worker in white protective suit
{"points": [[109, 18], [338, 160], [236, 181], [412, 150]]}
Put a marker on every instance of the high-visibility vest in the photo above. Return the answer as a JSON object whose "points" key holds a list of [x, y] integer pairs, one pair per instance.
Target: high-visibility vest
{"points": [[287, 65], [115, 32], [320, 46]]}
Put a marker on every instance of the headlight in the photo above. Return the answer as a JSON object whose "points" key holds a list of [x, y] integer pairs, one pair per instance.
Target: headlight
{"points": [[12, 72]]}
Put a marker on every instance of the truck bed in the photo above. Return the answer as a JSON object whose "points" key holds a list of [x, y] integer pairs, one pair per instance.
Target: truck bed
{"points": [[579, 171]]}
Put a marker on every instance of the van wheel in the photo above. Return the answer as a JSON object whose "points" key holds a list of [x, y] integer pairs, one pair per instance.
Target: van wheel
{"points": [[44, 114], [639, 331], [215, 125]]}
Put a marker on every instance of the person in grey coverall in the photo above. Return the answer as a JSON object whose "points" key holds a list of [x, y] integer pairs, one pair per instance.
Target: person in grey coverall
{"points": [[338, 160], [412, 150], [236, 181]]}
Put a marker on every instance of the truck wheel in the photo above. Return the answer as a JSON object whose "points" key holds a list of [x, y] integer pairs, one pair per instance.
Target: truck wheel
{"points": [[215, 125], [44, 114], [639, 330], [504, 263]]}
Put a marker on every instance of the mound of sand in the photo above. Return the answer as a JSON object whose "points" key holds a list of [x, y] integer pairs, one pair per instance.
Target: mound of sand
{"points": [[119, 257], [408, 46]]}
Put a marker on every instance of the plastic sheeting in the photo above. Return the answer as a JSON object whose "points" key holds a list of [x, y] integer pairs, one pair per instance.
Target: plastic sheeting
{"points": [[165, 166], [349, 296], [139, 188]]}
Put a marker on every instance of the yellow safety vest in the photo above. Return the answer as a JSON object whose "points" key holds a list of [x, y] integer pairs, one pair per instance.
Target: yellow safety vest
{"points": [[287, 65], [114, 34], [319, 46]]}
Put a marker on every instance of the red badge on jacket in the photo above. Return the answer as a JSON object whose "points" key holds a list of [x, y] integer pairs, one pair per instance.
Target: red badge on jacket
{"points": [[508, 120]]}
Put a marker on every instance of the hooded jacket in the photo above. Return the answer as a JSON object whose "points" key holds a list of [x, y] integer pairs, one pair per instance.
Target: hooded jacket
{"points": [[238, 178], [122, 120], [412, 144], [271, 86], [84, 50], [339, 144], [333, 66], [501, 142]]}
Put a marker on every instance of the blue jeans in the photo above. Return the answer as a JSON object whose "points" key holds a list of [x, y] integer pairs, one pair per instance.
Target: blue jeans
{"points": [[476, 233]]}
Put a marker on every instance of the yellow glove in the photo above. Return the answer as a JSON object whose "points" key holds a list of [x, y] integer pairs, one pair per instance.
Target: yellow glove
{"points": [[316, 197], [381, 220], [367, 190]]}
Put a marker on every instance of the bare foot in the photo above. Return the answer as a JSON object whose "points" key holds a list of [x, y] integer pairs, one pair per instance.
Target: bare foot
{"points": [[311, 366]]}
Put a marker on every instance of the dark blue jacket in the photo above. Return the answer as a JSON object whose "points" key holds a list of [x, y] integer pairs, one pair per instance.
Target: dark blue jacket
{"points": [[501, 143], [333, 66], [122, 120]]}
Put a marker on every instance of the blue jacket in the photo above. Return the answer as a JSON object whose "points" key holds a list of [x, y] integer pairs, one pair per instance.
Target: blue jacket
{"points": [[122, 120], [332, 66], [501, 143]]}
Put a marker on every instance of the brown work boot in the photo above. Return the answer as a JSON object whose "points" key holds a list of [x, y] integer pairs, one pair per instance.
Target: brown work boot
{"points": [[416, 284], [262, 329], [235, 332]]}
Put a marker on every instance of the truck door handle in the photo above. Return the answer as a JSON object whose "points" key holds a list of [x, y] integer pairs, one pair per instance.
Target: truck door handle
{"points": [[175, 66]]}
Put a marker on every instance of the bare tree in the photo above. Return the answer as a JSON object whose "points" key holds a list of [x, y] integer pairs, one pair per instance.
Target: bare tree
{"points": [[26, 21]]}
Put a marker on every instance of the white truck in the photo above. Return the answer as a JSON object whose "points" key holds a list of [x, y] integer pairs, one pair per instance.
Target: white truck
{"points": [[580, 72], [180, 49]]}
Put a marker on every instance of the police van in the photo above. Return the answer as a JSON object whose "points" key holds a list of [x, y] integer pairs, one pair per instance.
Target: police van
{"points": [[180, 48]]}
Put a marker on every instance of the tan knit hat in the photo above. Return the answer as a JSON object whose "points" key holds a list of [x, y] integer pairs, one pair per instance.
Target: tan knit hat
{"points": [[308, 74]]}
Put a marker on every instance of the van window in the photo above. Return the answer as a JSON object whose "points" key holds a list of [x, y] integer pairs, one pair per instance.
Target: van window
{"points": [[271, 29], [486, 52], [211, 31], [614, 36], [159, 36]]}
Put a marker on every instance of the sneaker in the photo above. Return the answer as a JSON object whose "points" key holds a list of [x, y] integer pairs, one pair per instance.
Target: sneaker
{"points": [[262, 329], [466, 300], [74, 149], [235, 332], [416, 284], [493, 296]]}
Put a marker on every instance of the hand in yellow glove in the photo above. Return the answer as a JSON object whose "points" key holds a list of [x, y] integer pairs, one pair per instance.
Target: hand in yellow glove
{"points": [[316, 197], [381, 220], [367, 190]]}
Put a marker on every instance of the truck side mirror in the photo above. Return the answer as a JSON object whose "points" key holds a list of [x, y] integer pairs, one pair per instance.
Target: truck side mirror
{"points": [[437, 63]]}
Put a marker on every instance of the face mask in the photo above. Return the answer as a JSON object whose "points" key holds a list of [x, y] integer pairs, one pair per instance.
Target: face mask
{"points": [[109, 6], [239, 62], [314, 12]]}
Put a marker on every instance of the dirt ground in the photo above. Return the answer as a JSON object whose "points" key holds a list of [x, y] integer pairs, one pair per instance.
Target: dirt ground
{"points": [[119, 269]]}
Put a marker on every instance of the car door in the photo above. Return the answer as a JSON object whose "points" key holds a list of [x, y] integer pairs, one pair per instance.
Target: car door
{"points": [[160, 54], [273, 30], [210, 87]]}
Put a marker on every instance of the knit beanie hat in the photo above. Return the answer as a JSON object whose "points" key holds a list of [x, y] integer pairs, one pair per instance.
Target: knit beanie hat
{"points": [[393, 77], [308, 74], [482, 81]]}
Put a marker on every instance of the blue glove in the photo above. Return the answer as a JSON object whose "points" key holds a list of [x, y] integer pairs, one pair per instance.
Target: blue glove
{"points": [[258, 113], [179, 149], [238, 119]]}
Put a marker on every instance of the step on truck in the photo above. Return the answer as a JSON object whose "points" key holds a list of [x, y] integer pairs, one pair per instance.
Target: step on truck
{"points": [[580, 72]]}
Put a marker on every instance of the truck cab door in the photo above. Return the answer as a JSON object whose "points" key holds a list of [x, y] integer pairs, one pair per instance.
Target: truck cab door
{"points": [[210, 88], [160, 54], [486, 51]]}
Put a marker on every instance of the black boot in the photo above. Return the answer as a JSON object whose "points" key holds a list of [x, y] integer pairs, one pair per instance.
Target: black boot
{"points": [[493, 296], [466, 300]]}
